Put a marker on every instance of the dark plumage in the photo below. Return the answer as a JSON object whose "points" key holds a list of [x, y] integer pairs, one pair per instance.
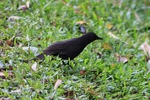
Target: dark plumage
{"points": [[69, 48]]}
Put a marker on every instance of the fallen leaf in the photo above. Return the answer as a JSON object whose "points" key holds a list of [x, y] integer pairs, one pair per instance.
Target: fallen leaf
{"points": [[146, 48], [69, 93], [28, 4], [58, 82], [45, 80], [82, 72], [112, 35], [109, 26], [81, 22], [10, 67], [5, 74], [107, 46], [82, 29], [121, 59], [13, 18], [10, 42], [113, 65], [77, 11], [34, 66], [5, 98], [16, 91], [23, 8]]}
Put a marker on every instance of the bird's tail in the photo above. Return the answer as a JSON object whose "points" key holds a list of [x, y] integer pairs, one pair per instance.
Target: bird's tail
{"points": [[40, 56]]}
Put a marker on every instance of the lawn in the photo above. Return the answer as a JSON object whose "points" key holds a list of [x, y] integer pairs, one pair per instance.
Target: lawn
{"points": [[118, 67]]}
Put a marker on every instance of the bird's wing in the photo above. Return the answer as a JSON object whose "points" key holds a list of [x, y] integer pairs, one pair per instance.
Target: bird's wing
{"points": [[53, 49], [64, 49], [56, 48], [71, 49]]}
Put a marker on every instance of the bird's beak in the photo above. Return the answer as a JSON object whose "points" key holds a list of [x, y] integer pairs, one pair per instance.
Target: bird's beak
{"points": [[99, 38]]}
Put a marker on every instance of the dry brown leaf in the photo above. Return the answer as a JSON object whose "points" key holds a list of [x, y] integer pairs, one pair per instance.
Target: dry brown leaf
{"points": [[107, 46], [77, 11], [146, 48], [69, 93], [10, 42], [112, 35], [109, 26], [121, 59], [45, 80], [23, 8], [81, 22], [112, 65], [34, 66], [82, 72], [58, 82]]}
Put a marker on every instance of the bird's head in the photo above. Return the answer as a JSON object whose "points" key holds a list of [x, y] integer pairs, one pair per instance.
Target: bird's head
{"points": [[92, 36]]}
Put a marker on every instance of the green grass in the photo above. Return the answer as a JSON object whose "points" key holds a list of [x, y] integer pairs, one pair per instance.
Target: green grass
{"points": [[48, 21]]}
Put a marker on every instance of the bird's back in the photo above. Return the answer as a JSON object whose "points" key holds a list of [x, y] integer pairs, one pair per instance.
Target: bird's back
{"points": [[65, 49]]}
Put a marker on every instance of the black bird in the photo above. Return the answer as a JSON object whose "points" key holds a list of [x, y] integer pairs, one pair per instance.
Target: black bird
{"points": [[69, 48]]}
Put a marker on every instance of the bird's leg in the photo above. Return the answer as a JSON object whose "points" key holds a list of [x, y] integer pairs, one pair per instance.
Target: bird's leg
{"points": [[63, 62]]}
